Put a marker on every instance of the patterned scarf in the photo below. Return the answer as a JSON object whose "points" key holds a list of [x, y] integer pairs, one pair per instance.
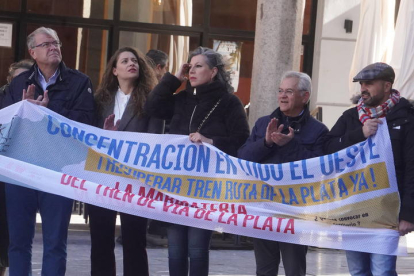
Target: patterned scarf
{"points": [[380, 111]]}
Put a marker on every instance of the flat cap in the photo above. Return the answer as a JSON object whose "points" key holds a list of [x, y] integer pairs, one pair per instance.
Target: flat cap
{"points": [[376, 71]]}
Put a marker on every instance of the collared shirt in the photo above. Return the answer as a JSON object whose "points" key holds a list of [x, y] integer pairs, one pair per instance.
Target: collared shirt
{"points": [[121, 101], [42, 81]]}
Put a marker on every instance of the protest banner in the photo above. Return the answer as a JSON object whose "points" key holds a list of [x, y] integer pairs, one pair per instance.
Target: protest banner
{"points": [[345, 200]]}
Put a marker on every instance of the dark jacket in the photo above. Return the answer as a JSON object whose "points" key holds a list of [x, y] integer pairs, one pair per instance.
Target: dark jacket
{"points": [[71, 96], [131, 121], [3, 91], [227, 125], [307, 142], [400, 119]]}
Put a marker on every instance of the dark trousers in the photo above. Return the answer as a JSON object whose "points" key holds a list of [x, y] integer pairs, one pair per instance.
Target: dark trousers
{"points": [[102, 228], [267, 255], [186, 242], [4, 231], [22, 204]]}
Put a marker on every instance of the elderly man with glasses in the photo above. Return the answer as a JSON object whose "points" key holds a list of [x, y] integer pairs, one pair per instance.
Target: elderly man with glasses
{"points": [[51, 84], [289, 134]]}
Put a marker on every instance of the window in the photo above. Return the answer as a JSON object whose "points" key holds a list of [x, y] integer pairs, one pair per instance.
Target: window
{"points": [[176, 47], [83, 49], [172, 12], [102, 9], [234, 14]]}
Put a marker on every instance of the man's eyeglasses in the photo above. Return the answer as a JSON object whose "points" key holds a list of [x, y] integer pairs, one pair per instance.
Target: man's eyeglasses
{"points": [[287, 92], [47, 45]]}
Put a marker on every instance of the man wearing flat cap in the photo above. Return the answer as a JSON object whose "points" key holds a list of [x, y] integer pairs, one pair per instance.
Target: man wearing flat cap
{"points": [[380, 100]]}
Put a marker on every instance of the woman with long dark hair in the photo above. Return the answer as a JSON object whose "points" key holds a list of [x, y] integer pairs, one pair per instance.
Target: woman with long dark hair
{"points": [[208, 112], [120, 99]]}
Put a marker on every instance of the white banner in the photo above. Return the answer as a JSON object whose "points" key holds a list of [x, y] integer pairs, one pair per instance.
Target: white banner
{"points": [[346, 200]]}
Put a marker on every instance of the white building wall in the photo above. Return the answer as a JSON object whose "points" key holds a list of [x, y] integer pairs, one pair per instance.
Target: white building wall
{"points": [[334, 49]]}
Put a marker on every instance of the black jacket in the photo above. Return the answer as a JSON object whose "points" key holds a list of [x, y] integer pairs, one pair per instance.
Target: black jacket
{"points": [[131, 120], [71, 96], [227, 125], [3, 91], [400, 119], [307, 142]]}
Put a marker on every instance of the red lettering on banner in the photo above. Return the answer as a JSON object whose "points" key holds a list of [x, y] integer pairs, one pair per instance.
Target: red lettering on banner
{"points": [[82, 185], [116, 192], [128, 197], [207, 216], [72, 180], [169, 199], [246, 218], [199, 213], [98, 188], [151, 193], [279, 223], [242, 209], [184, 210], [290, 226], [220, 218], [145, 201], [268, 224], [176, 206], [141, 191], [128, 189], [256, 219], [232, 219], [139, 202], [224, 207], [159, 196], [106, 190], [149, 205], [167, 206], [62, 179], [72, 183]]}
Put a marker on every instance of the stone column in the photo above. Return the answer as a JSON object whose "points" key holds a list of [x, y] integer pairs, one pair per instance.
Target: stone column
{"points": [[277, 48]]}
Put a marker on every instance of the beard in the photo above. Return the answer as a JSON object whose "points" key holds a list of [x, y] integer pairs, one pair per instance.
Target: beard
{"points": [[371, 101]]}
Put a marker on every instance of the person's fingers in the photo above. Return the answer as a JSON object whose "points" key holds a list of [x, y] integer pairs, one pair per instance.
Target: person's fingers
{"points": [[46, 96]]}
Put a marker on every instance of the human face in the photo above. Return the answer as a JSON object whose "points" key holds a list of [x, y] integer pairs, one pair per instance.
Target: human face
{"points": [[48, 56], [160, 71], [200, 73], [127, 67], [375, 92], [291, 100]]}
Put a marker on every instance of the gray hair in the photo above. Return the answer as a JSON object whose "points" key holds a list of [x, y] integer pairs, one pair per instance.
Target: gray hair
{"points": [[305, 82], [214, 59], [157, 57], [42, 30]]}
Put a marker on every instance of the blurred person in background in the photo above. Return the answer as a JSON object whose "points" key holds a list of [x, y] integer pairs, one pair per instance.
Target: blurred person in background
{"points": [[159, 62]]}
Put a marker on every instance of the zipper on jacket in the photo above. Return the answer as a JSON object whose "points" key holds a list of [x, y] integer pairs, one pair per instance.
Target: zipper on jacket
{"points": [[191, 119]]}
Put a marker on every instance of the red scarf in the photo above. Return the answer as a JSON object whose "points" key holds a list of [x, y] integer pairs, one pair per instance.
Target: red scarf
{"points": [[380, 111]]}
